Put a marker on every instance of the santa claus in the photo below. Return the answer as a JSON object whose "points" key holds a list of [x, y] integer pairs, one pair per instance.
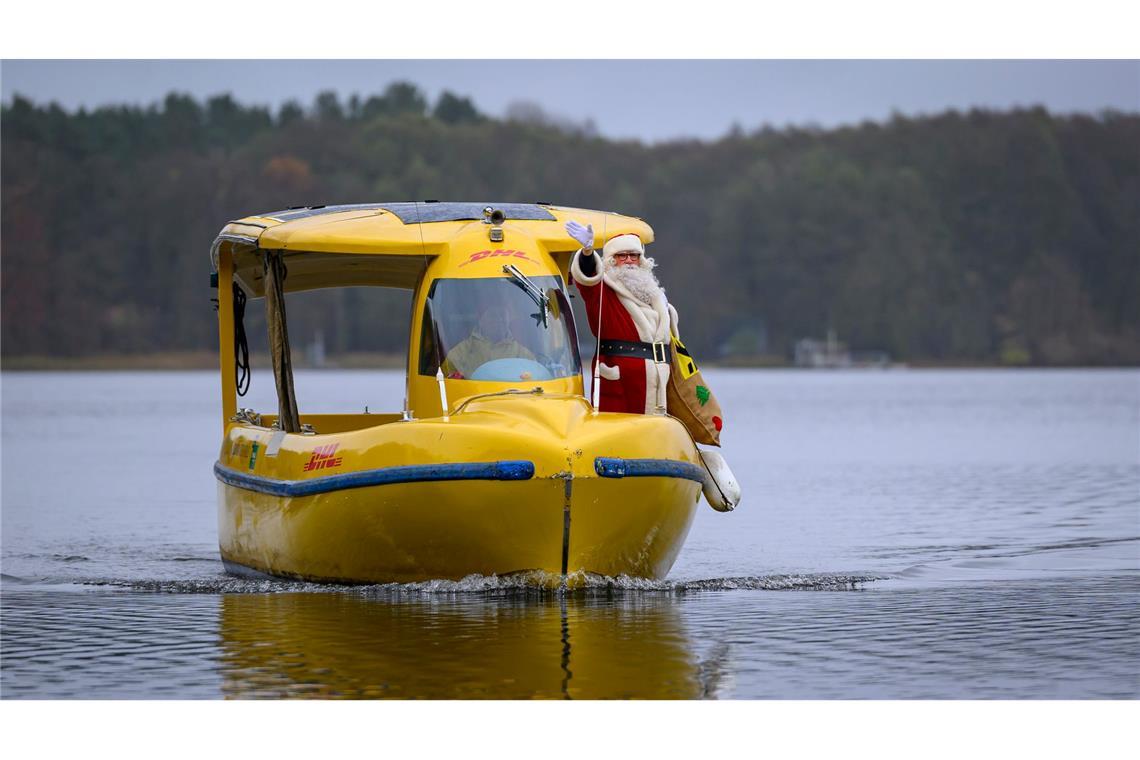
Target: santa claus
{"points": [[628, 311], [626, 303]]}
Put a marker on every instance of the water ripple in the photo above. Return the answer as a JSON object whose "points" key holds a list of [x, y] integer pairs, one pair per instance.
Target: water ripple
{"points": [[1039, 639], [522, 583]]}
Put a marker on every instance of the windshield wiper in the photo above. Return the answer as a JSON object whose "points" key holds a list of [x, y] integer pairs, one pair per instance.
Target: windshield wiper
{"points": [[537, 294]]}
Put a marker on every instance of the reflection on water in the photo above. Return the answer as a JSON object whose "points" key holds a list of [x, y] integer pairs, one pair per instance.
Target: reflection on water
{"points": [[67, 643], [1062, 638], [334, 645]]}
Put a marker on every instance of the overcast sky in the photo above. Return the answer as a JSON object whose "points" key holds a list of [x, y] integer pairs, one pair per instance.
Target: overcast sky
{"points": [[649, 100]]}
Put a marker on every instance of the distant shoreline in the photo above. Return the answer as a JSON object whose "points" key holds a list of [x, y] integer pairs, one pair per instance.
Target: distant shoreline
{"points": [[185, 360], [207, 360]]}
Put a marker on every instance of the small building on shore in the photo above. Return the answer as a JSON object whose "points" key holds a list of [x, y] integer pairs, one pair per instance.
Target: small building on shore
{"points": [[831, 353]]}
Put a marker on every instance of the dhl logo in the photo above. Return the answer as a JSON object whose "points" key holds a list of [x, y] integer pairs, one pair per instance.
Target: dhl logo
{"points": [[497, 252], [323, 458]]}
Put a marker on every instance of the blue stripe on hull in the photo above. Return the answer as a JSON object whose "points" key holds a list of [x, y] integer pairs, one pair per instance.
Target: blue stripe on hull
{"points": [[416, 473], [615, 467]]}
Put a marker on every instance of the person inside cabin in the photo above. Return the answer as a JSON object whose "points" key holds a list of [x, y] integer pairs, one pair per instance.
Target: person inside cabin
{"points": [[636, 320], [490, 339]]}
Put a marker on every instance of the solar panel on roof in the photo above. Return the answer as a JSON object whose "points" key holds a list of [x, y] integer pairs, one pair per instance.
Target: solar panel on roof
{"points": [[410, 213], [303, 212]]}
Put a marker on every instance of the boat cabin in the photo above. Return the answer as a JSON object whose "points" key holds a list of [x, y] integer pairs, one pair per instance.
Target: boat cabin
{"points": [[490, 302]]}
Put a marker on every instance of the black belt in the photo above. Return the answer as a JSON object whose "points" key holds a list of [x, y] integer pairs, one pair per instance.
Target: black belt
{"points": [[661, 353]]}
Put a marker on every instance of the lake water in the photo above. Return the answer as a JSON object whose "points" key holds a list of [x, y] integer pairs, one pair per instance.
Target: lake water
{"points": [[903, 534]]}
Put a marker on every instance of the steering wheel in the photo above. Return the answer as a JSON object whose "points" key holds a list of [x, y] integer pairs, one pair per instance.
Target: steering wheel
{"points": [[511, 370]]}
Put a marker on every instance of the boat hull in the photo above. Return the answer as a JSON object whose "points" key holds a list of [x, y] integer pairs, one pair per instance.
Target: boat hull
{"points": [[561, 511], [413, 532]]}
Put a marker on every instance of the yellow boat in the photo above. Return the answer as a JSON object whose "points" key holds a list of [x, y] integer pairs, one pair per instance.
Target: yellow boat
{"points": [[497, 462]]}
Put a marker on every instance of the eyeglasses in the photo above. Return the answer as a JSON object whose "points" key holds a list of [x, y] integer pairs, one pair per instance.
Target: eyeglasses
{"points": [[630, 256]]}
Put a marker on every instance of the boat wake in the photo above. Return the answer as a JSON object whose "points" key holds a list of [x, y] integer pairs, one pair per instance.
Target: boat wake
{"points": [[530, 583]]}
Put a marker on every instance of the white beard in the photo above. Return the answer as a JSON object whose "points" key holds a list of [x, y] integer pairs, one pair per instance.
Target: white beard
{"points": [[639, 280]]}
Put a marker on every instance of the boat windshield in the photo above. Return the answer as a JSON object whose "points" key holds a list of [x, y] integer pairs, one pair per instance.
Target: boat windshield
{"points": [[499, 329]]}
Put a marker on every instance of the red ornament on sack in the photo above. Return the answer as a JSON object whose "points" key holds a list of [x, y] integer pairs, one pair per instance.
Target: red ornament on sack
{"points": [[717, 423]]}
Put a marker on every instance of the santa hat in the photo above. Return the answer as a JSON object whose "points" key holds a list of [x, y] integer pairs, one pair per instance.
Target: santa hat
{"points": [[627, 242]]}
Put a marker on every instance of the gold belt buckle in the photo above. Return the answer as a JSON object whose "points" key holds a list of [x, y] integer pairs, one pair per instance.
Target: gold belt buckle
{"points": [[659, 357]]}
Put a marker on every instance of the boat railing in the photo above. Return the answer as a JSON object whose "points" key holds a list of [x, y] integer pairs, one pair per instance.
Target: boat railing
{"points": [[321, 424]]}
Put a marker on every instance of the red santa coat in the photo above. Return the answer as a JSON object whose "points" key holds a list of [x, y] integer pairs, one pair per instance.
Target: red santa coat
{"points": [[631, 385]]}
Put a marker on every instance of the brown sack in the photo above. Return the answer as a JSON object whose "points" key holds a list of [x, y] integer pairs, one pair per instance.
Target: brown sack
{"points": [[689, 399]]}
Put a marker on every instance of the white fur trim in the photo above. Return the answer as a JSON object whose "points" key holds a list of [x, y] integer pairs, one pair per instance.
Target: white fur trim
{"points": [[627, 242], [655, 391], [651, 320], [577, 273], [608, 372]]}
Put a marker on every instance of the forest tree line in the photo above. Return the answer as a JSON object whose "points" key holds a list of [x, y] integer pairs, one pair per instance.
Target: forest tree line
{"points": [[979, 237]]}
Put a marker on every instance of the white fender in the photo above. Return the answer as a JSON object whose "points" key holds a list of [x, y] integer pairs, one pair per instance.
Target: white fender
{"points": [[721, 489]]}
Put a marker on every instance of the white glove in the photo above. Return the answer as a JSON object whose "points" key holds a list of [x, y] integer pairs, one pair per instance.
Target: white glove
{"points": [[584, 235]]}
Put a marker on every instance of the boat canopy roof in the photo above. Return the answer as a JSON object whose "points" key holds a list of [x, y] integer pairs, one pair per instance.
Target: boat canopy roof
{"points": [[391, 244]]}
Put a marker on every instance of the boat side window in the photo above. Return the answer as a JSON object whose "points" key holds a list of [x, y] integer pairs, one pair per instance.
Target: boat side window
{"points": [[495, 329]]}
